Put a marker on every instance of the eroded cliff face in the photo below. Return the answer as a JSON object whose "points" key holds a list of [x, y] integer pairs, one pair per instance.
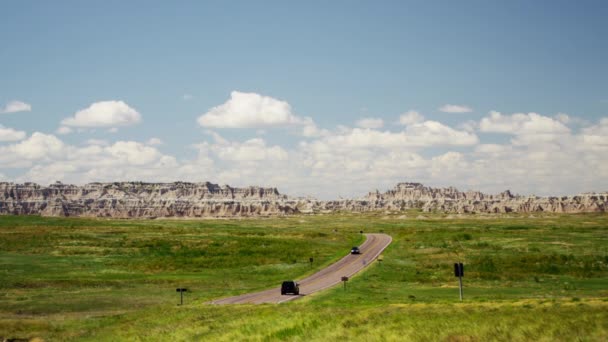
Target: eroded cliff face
{"points": [[181, 199], [146, 200], [450, 200]]}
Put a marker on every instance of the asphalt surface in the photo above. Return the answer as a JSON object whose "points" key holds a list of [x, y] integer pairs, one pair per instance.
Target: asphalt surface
{"points": [[327, 277]]}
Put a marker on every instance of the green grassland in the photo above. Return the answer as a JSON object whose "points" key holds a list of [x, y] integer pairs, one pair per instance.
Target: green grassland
{"points": [[527, 277]]}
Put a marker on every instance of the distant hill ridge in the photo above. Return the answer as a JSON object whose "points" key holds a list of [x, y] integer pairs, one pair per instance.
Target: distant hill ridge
{"points": [[184, 199], [451, 200]]}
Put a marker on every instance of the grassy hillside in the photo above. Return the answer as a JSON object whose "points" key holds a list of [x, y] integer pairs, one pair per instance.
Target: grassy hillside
{"points": [[526, 278]]}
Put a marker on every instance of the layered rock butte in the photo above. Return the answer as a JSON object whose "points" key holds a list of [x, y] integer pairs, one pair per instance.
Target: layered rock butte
{"points": [[191, 200]]}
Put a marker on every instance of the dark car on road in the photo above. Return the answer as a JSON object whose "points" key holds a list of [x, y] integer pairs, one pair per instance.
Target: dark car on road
{"points": [[290, 286], [355, 250]]}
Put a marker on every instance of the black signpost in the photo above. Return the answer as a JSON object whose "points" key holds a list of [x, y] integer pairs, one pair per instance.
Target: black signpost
{"points": [[459, 272], [311, 260], [344, 280], [181, 291]]}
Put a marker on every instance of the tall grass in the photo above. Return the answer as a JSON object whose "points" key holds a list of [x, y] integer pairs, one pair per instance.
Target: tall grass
{"points": [[526, 278], [518, 321]]}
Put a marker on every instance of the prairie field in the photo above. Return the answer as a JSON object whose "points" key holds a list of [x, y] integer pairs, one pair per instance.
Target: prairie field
{"points": [[541, 277]]}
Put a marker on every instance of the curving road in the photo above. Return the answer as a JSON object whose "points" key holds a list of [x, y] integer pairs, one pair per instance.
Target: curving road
{"points": [[327, 277]]}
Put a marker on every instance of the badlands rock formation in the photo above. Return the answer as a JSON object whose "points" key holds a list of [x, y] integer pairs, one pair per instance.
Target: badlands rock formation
{"points": [[136, 199], [181, 199], [415, 195]]}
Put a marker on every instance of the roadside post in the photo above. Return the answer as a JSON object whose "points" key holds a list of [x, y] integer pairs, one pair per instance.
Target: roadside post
{"points": [[181, 291], [380, 259], [311, 260], [459, 272], [344, 280]]}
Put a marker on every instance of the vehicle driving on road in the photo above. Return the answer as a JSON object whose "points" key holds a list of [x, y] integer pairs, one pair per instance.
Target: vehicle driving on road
{"points": [[324, 279], [290, 286], [355, 250]]}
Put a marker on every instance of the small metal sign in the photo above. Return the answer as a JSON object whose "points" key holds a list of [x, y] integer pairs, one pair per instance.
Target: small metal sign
{"points": [[181, 291], [459, 272], [458, 269], [344, 278]]}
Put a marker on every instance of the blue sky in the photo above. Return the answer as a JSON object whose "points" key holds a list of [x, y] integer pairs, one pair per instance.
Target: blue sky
{"points": [[333, 64]]}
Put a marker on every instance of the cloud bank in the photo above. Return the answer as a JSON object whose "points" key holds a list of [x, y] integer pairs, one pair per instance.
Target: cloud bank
{"points": [[526, 152]]}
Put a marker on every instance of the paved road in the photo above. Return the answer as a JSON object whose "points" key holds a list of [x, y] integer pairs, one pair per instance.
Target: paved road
{"points": [[327, 277]]}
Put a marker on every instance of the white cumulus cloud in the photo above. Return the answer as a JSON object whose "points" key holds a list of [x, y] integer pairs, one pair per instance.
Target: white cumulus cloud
{"points": [[370, 123], [492, 148], [104, 114], [563, 118], [9, 134], [133, 153], [97, 142], [596, 137], [310, 130], [527, 129], [410, 117], [452, 108], [250, 150], [38, 147], [520, 123], [46, 159], [424, 134], [64, 130], [154, 141], [16, 106], [432, 133], [247, 110]]}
